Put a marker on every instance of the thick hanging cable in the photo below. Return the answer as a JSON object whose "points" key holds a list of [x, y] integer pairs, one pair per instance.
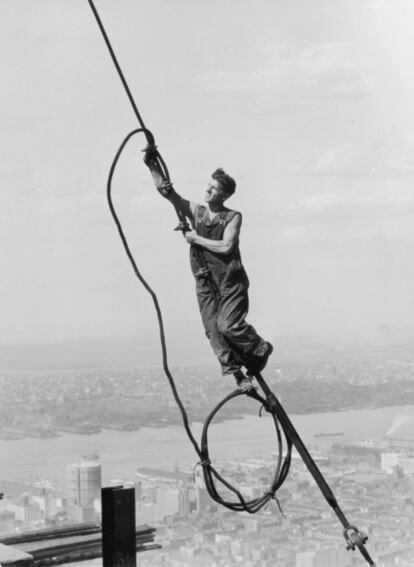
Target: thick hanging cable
{"points": [[118, 68], [146, 285], [280, 473], [150, 139]]}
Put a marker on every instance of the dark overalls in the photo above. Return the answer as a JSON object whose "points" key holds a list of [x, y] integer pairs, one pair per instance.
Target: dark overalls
{"points": [[233, 340]]}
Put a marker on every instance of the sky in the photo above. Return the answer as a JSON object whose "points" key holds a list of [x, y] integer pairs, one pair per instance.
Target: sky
{"points": [[307, 104]]}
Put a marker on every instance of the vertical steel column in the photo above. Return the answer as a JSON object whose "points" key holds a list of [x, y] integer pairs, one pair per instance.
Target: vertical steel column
{"points": [[118, 527]]}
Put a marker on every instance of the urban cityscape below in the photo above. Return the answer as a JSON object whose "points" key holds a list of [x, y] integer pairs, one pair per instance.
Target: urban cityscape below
{"points": [[79, 430]]}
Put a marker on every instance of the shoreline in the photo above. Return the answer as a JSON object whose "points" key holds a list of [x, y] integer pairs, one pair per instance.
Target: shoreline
{"points": [[121, 453], [9, 434]]}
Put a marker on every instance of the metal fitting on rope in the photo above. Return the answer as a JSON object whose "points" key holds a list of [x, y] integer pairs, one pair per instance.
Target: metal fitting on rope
{"points": [[353, 537], [270, 404], [203, 463], [183, 226], [150, 154]]}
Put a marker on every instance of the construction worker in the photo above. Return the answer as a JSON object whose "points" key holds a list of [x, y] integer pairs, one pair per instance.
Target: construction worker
{"points": [[221, 281]]}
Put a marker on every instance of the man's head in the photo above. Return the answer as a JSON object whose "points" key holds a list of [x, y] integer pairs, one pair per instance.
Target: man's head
{"points": [[220, 188], [227, 183]]}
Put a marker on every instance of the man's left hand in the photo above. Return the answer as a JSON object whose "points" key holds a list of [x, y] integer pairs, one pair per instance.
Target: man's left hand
{"points": [[190, 236]]}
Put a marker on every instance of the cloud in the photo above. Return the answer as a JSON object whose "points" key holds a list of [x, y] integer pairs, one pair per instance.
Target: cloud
{"points": [[335, 159], [389, 155], [356, 203], [328, 70], [356, 213]]}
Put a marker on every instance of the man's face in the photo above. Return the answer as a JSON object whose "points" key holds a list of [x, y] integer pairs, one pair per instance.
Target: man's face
{"points": [[214, 193]]}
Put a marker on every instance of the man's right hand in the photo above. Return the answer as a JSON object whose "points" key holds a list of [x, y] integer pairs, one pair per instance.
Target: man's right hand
{"points": [[150, 155], [164, 186]]}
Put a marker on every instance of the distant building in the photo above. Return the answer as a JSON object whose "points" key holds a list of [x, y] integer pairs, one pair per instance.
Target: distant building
{"points": [[400, 443], [203, 500], [47, 504], [147, 512], [305, 559], [365, 450], [168, 500], [406, 464], [26, 510], [324, 557], [83, 487], [391, 461]]}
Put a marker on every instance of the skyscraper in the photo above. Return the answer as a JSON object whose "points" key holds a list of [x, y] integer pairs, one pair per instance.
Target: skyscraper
{"points": [[83, 487]]}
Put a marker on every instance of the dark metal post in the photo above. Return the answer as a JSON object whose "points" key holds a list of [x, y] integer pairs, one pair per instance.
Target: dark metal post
{"points": [[118, 527]]}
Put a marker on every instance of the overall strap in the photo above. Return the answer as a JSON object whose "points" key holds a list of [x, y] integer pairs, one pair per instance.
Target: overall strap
{"points": [[199, 212]]}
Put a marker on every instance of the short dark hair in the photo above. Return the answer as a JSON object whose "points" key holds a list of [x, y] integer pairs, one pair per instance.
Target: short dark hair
{"points": [[227, 183]]}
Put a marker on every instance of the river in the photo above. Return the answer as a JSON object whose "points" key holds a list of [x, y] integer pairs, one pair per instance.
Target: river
{"points": [[121, 452]]}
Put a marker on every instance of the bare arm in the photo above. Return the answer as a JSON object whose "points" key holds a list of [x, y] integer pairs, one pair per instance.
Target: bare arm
{"points": [[166, 189], [225, 246]]}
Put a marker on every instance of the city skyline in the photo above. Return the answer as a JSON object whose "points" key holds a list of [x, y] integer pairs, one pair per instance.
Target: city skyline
{"points": [[191, 529], [63, 434]]}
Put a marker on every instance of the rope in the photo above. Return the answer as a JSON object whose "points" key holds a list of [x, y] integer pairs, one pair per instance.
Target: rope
{"points": [[150, 138], [118, 67], [147, 286], [281, 469]]}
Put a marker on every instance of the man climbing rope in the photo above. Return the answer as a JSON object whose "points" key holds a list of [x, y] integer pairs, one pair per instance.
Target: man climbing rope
{"points": [[221, 281]]}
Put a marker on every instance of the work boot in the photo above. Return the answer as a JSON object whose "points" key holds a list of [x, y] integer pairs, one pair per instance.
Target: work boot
{"points": [[244, 383], [260, 358]]}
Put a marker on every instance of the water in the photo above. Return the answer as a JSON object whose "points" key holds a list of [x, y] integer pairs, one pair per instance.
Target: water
{"points": [[122, 452]]}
